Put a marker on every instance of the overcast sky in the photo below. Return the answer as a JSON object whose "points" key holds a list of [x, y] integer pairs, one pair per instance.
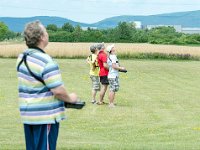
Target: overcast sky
{"points": [[91, 11]]}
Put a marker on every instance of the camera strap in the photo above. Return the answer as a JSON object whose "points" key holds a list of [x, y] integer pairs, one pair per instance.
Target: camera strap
{"points": [[24, 59]]}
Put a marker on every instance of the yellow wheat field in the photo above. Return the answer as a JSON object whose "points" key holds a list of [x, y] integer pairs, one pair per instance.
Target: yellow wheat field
{"points": [[82, 49]]}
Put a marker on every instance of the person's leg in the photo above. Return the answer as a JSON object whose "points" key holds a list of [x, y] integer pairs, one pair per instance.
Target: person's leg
{"points": [[102, 92], [114, 87], [104, 83], [94, 92], [95, 87], [36, 137], [111, 94], [53, 131], [111, 97], [42, 137], [29, 138]]}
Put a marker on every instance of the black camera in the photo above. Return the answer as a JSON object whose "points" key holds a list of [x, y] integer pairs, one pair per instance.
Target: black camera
{"points": [[123, 70], [77, 105]]}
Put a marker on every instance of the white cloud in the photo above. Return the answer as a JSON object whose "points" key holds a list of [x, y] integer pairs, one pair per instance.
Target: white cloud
{"points": [[90, 11], [120, 1]]}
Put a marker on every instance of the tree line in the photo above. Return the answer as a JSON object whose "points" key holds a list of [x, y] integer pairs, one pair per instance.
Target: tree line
{"points": [[124, 32], [6, 34]]}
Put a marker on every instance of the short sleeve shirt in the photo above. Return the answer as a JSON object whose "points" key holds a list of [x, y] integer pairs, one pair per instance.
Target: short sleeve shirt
{"points": [[37, 103], [94, 66], [113, 73], [102, 58]]}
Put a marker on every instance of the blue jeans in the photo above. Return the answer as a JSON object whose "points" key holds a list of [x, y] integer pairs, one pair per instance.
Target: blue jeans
{"points": [[41, 137]]}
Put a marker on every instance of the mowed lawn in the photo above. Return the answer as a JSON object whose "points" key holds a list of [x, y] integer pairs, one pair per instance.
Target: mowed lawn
{"points": [[158, 108]]}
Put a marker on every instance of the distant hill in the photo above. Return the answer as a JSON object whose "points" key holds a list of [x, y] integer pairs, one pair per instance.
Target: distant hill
{"points": [[17, 24], [186, 19]]}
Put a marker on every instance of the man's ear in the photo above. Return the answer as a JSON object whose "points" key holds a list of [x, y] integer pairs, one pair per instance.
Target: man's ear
{"points": [[42, 38]]}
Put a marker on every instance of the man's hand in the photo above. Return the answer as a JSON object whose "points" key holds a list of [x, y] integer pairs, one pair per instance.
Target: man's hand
{"points": [[73, 97]]}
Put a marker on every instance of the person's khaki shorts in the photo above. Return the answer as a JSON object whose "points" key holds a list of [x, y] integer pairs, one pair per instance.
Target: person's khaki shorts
{"points": [[95, 83], [114, 84]]}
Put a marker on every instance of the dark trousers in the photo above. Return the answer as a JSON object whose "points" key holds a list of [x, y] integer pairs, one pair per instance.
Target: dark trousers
{"points": [[41, 137]]}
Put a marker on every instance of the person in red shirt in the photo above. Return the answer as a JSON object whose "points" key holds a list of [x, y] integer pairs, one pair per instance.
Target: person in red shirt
{"points": [[103, 73]]}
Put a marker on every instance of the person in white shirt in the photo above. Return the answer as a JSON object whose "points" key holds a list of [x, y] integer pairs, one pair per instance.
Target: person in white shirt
{"points": [[113, 75]]}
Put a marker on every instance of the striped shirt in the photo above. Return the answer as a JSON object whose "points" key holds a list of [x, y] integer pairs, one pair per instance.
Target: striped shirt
{"points": [[37, 103]]}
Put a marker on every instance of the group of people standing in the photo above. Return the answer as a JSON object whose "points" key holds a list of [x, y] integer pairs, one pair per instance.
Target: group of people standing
{"points": [[104, 69]]}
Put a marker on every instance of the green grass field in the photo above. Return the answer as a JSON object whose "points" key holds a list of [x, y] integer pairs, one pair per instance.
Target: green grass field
{"points": [[158, 108]]}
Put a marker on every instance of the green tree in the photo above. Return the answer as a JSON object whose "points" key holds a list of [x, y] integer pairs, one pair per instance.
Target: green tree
{"points": [[93, 35], [77, 34], [124, 31], [52, 27], [139, 36], [192, 39], [60, 36], [12, 35], [67, 27], [3, 31], [163, 35]]}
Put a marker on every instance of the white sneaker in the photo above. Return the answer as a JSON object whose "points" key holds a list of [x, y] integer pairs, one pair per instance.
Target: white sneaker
{"points": [[93, 102], [111, 105]]}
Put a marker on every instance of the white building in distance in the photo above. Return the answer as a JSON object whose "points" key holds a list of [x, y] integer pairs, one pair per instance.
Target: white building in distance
{"points": [[138, 24], [191, 30], [178, 28]]}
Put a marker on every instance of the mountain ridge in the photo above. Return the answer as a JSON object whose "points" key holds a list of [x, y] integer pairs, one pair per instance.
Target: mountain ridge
{"points": [[185, 19]]}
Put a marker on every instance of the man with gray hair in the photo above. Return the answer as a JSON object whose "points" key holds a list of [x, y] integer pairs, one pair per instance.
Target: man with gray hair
{"points": [[103, 73], [41, 91]]}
